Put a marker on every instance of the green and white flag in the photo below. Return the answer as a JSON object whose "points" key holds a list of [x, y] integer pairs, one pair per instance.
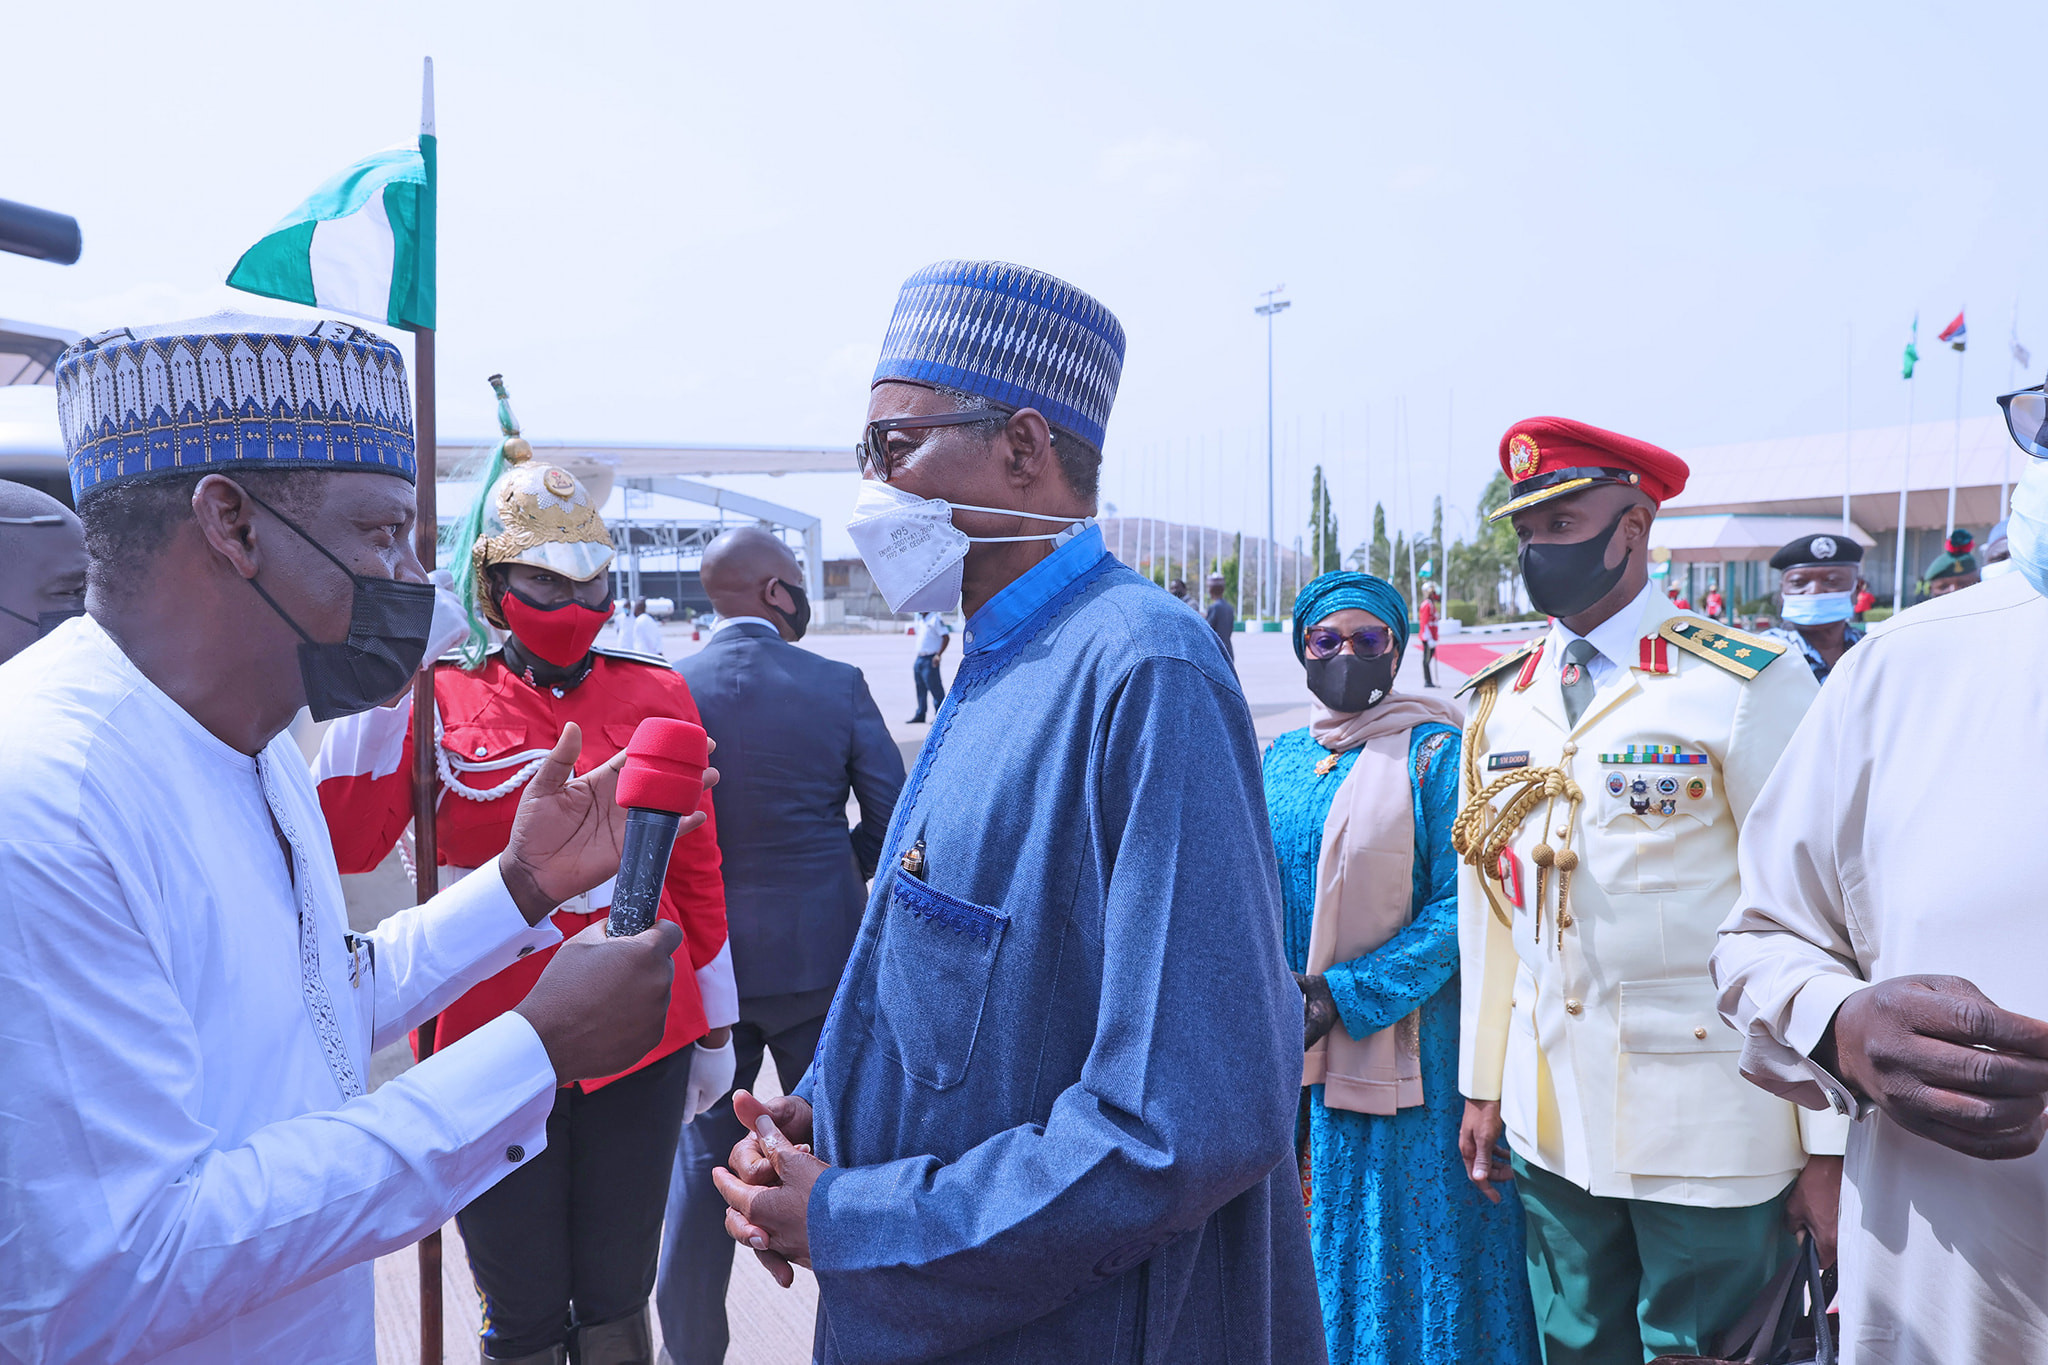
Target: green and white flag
{"points": [[361, 244]]}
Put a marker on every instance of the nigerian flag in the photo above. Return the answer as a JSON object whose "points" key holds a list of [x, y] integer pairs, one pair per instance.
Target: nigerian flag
{"points": [[361, 244], [1912, 356]]}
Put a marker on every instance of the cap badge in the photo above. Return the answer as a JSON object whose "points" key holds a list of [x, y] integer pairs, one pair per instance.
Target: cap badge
{"points": [[1823, 547], [560, 482], [1523, 455]]}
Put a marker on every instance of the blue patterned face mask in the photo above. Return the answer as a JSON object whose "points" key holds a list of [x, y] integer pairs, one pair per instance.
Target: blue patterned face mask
{"points": [[1818, 608]]}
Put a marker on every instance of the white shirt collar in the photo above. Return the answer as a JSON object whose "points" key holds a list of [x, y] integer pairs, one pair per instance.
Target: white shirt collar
{"points": [[725, 621], [1615, 637]]}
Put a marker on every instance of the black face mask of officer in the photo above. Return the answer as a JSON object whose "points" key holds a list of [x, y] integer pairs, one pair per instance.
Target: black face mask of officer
{"points": [[1565, 579], [1348, 684], [388, 624], [799, 620]]}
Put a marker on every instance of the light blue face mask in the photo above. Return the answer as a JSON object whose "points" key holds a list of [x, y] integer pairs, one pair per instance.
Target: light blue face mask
{"points": [[1818, 608], [2027, 529]]}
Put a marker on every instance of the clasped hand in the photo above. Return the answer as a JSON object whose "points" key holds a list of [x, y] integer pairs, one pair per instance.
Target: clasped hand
{"points": [[769, 1185]]}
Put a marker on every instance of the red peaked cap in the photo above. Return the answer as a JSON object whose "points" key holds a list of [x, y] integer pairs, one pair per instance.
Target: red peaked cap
{"points": [[664, 766], [1550, 457]]}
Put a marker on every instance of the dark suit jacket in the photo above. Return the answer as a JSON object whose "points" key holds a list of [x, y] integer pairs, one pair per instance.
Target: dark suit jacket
{"points": [[795, 732]]}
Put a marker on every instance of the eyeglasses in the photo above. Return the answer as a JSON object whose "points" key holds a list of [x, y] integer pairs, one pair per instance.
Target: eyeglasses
{"points": [[2026, 417], [1370, 643], [874, 440]]}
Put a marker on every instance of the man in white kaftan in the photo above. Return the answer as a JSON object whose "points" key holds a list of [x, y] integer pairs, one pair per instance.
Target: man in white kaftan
{"points": [[191, 1166], [1900, 836]]}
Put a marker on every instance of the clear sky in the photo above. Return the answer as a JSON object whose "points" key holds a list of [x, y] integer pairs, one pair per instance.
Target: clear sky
{"points": [[688, 222]]}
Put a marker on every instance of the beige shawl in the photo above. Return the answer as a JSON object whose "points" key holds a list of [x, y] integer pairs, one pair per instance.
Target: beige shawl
{"points": [[1364, 890]]}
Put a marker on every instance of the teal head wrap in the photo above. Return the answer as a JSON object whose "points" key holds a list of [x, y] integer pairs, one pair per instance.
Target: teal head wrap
{"points": [[1337, 591]]}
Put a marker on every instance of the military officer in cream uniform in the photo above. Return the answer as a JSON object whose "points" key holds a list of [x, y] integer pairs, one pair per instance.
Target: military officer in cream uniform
{"points": [[1609, 765]]}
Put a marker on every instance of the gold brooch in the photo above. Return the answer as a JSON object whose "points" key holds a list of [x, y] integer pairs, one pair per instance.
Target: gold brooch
{"points": [[1327, 766]]}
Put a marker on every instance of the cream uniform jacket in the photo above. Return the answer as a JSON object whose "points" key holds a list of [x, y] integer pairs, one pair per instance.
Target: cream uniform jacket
{"points": [[1598, 1030]]}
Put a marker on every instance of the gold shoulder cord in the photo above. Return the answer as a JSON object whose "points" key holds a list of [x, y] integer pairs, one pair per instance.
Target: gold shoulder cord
{"points": [[1480, 833]]}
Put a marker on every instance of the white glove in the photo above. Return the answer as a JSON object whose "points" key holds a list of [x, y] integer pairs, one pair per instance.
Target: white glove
{"points": [[451, 616], [710, 1077]]}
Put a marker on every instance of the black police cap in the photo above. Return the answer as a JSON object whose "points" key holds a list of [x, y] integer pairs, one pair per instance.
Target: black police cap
{"points": [[1829, 547]]}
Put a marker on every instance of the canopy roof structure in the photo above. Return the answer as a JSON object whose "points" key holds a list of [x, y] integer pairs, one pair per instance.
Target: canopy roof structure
{"points": [[600, 463], [1722, 537], [29, 351], [1805, 475]]}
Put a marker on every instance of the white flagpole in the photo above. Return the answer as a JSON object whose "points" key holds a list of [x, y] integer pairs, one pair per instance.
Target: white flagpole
{"points": [[1905, 469], [1955, 463], [1848, 421], [2005, 447]]}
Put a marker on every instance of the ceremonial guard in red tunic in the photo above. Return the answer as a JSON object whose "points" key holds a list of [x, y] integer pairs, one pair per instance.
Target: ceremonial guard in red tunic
{"points": [[564, 1247]]}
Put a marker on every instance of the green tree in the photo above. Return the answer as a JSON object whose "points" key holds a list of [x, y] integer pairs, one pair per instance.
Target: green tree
{"points": [[1229, 572], [1377, 554], [1479, 570], [1322, 526]]}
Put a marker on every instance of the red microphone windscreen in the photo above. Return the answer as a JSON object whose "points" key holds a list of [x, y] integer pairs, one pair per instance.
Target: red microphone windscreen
{"points": [[664, 766]]}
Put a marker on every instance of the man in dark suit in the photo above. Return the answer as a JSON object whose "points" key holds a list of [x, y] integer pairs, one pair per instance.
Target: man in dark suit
{"points": [[795, 733]]}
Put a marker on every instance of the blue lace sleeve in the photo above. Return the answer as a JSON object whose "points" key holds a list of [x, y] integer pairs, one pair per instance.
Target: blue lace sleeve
{"points": [[1395, 978]]}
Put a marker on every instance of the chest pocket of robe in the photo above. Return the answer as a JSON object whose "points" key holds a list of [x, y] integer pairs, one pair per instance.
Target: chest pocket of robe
{"points": [[933, 966]]}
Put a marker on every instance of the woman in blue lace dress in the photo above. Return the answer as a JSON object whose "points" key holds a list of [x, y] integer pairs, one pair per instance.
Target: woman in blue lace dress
{"points": [[1412, 1262]]}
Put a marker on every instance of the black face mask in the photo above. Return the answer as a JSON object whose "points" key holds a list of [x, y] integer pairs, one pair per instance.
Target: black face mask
{"points": [[45, 621], [799, 620], [1349, 684], [388, 624], [1565, 579]]}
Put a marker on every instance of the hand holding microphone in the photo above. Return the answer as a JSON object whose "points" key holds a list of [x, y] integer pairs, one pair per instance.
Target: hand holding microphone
{"points": [[568, 831], [662, 783], [602, 1002]]}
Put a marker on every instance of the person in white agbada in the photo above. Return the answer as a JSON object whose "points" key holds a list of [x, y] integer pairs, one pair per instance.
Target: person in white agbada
{"points": [[192, 1167], [1885, 957]]}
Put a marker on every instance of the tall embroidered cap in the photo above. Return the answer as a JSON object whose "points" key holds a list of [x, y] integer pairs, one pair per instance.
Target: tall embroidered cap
{"points": [[232, 391], [1017, 337]]}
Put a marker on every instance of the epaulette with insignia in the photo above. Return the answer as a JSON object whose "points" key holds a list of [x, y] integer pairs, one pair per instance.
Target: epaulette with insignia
{"points": [[631, 655], [1500, 665], [1739, 652]]}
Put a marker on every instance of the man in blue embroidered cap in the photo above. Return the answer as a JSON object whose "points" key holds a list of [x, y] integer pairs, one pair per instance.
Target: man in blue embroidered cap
{"points": [[194, 1165], [1053, 1107]]}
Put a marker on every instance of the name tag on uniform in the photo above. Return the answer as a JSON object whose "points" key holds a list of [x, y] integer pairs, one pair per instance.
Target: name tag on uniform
{"points": [[1518, 758]]}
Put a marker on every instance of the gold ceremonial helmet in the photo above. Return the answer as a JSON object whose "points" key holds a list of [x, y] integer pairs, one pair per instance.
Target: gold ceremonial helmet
{"points": [[534, 513]]}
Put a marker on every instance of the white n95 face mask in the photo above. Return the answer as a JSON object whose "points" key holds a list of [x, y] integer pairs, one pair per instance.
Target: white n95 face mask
{"points": [[2027, 531], [913, 550]]}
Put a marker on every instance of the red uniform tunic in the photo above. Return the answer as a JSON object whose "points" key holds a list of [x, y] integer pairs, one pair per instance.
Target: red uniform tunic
{"points": [[364, 775]]}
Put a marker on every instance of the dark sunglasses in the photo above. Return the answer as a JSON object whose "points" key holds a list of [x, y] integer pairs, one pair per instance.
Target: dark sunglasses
{"points": [[1370, 643], [874, 441], [2026, 417]]}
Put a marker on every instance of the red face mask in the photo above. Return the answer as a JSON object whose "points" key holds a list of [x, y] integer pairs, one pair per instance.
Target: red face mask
{"points": [[561, 634]]}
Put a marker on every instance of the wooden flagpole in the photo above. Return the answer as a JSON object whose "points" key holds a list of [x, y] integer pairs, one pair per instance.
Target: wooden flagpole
{"points": [[426, 858]]}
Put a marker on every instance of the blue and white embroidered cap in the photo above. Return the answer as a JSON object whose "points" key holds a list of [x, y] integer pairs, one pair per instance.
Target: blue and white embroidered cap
{"points": [[232, 391], [1017, 337]]}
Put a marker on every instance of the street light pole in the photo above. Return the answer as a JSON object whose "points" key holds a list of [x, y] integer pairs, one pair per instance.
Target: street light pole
{"points": [[1270, 560]]}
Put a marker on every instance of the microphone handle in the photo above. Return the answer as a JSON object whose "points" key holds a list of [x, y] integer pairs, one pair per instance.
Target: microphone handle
{"points": [[643, 866]]}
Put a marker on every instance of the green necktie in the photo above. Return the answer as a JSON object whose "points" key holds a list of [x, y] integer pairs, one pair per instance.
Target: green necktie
{"points": [[1576, 678]]}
